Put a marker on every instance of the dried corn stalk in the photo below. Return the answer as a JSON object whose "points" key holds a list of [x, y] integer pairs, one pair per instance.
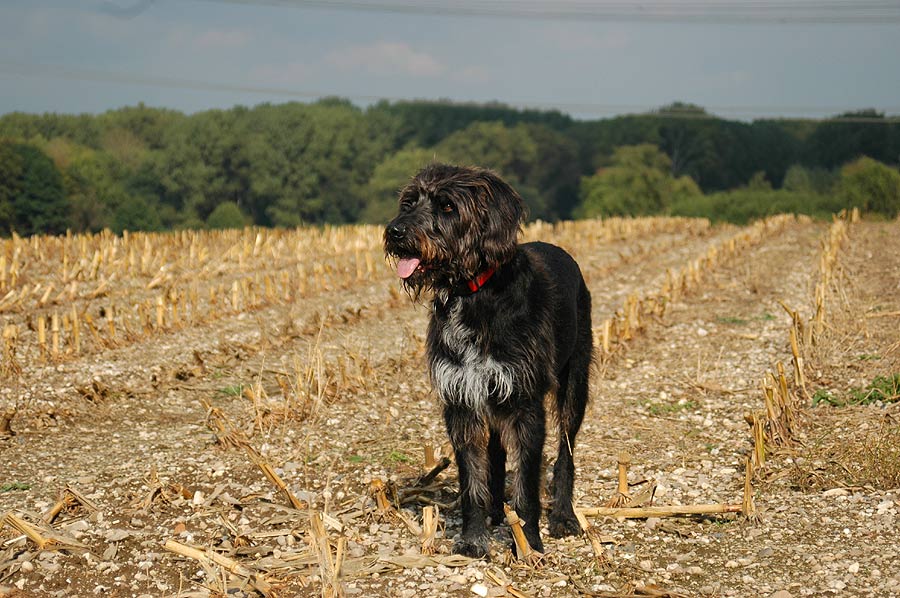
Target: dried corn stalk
{"points": [[208, 558]]}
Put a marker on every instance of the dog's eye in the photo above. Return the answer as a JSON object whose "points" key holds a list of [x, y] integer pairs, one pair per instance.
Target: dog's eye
{"points": [[445, 205]]}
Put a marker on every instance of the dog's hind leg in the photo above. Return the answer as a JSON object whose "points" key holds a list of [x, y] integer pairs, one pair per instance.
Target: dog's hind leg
{"points": [[496, 476], [571, 402], [562, 520], [469, 437]]}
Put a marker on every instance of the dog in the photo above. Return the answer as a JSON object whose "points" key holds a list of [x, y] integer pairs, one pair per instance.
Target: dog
{"points": [[510, 324]]}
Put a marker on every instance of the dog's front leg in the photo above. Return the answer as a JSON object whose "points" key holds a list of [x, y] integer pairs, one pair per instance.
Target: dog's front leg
{"points": [[496, 476], [527, 431], [469, 437]]}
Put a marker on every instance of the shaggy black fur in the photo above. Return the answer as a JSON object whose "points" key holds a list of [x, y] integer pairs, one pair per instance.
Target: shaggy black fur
{"points": [[510, 324]]}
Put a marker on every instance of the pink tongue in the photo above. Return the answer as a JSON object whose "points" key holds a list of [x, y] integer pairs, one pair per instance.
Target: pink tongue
{"points": [[406, 266]]}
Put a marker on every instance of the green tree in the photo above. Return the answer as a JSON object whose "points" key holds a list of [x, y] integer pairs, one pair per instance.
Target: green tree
{"points": [[853, 134], [815, 180], [871, 186], [797, 178], [95, 182], [511, 151], [11, 170], [39, 206], [152, 126], [743, 205], [82, 129], [329, 150], [556, 173], [686, 135], [136, 214], [638, 182], [427, 123], [226, 215], [759, 182]]}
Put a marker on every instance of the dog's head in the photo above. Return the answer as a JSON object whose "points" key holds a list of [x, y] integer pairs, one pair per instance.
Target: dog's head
{"points": [[454, 223]]}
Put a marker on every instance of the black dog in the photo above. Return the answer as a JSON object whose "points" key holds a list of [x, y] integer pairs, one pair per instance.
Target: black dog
{"points": [[510, 323]]}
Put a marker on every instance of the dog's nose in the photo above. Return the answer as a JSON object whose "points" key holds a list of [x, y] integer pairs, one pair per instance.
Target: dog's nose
{"points": [[396, 231]]}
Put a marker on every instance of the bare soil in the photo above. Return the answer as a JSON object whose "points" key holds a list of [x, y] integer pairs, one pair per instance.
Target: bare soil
{"points": [[331, 390]]}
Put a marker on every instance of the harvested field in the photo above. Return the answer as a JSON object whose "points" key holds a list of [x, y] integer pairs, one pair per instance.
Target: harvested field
{"points": [[248, 413]]}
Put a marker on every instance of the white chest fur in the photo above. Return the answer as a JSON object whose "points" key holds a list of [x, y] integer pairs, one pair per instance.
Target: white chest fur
{"points": [[470, 375]]}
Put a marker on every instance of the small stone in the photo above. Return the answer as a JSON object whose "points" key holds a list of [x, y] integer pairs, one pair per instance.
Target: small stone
{"points": [[76, 526], [117, 535], [480, 589], [357, 551], [732, 564], [27, 566], [836, 492], [781, 594], [853, 568]]}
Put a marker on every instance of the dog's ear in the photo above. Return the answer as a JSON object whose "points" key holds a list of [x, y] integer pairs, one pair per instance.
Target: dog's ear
{"points": [[501, 212]]}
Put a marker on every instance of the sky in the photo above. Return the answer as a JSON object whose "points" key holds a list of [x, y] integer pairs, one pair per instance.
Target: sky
{"points": [[94, 55]]}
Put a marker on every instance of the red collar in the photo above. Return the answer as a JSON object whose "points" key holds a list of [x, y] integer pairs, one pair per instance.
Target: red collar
{"points": [[476, 284]]}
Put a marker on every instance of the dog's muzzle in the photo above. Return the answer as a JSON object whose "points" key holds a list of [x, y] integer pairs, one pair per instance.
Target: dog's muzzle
{"points": [[396, 232]]}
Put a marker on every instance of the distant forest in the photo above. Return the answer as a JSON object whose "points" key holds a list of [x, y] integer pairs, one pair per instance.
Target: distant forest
{"points": [[331, 162]]}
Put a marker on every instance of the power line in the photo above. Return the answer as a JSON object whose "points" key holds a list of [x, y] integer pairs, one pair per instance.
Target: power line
{"points": [[51, 71], [86, 74], [672, 11]]}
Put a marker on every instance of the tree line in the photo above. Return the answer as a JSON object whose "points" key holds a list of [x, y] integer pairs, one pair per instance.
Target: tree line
{"points": [[331, 162]]}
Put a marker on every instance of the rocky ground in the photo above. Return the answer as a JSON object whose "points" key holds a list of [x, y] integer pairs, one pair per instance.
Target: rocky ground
{"points": [[332, 393]]}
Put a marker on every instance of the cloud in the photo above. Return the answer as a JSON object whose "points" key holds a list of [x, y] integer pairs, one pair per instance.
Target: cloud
{"points": [[387, 58]]}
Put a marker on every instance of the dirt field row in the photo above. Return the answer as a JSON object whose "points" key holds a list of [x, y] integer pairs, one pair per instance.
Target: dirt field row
{"points": [[331, 390]]}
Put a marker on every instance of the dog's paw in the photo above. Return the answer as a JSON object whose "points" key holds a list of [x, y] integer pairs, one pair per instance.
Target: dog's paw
{"points": [[563, 525], [477, 548]]}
